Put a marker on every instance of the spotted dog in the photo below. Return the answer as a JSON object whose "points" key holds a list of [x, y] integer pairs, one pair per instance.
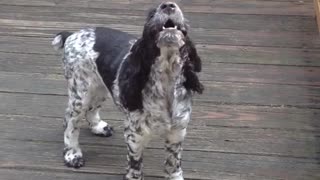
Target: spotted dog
{"points": [[151, 79]]}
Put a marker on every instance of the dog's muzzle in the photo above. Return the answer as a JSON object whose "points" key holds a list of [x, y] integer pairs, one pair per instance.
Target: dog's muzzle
{"points": [[171, 37], [168, 7]]}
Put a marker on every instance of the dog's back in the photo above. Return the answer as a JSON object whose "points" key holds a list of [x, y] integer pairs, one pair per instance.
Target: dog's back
{"points": [[91, 59], [101, 49]]}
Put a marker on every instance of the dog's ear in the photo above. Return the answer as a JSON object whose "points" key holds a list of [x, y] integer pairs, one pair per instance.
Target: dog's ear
{"points": [[130, 79], [185, 28], [191, 67], [193, 55], [151, 13], [134, 74]]}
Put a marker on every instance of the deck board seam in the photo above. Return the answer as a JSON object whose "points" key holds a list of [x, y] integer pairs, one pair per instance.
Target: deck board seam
{"points": [[161, 148]]}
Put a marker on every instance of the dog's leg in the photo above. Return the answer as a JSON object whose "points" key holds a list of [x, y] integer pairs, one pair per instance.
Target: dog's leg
{"points": [[175, 136], [173, 149], [72, 152], [77, 90], [136, 141], [98, 126]]}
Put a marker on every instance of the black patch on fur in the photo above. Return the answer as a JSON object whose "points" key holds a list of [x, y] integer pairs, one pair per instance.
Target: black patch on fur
{"points": [[135, 164], [135, 72], [112, 46], [191, 67], [64, 35]]}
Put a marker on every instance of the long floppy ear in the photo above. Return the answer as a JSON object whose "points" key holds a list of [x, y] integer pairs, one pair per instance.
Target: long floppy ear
{"points": [[191, 67], [134, 74], [151, 13], [193, 55], [130, 80]]}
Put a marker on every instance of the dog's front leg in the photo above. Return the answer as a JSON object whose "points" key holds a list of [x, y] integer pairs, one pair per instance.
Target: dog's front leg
{"points": [[176, 135], [173, 149], [136, 140]]}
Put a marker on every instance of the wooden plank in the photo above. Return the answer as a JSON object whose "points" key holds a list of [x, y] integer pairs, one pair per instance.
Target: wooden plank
{"points": [[197, 165], [36, 63], [203, 36], [206, 6], [261, 39], [233, 116], [210, 54], [220, 72], [18, 174], [317, 11], [254, 117], [262, 142], [258, 55], [134, 17], [261, 74], [260, 94], [216, 92]]}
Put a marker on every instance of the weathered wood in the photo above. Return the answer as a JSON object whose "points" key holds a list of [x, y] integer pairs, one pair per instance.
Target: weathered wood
{"points": [[210, 54], [206, 6], [217, 36], [259, 55], [211, 72], [203, 36], [263, 142], [233, 116], [317, 12], [23, 174], [261, 74], [254, 117], [258, 118], [197, 165], [216, 92], [136, 17]]}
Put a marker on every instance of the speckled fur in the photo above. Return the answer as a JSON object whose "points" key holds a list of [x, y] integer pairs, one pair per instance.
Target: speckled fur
{"points": [[166, 103], [86, 93]]}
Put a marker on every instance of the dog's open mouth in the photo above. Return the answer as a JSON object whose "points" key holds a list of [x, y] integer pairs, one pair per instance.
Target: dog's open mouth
{"points": [[170, 35], [169, 24]]}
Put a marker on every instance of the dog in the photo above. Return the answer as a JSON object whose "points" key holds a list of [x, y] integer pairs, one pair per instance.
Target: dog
{"points": [[152, 79]]}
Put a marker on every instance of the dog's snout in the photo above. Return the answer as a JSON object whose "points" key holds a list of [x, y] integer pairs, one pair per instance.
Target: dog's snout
{"points": [[168, 7]]}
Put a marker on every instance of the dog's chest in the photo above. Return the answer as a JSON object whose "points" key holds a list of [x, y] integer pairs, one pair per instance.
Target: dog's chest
{"points": [[160, 93]]}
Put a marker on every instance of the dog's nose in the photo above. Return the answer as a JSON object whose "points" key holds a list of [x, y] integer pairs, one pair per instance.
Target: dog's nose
{"points": [[168, 7]]}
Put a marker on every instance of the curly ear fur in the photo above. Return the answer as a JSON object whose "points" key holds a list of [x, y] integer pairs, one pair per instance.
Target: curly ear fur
{"points": [[135, 73], [151, 13], [191, 66]]}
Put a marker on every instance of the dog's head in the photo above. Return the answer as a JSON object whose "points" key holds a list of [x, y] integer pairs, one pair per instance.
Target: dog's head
{"points": [[166, 25]]}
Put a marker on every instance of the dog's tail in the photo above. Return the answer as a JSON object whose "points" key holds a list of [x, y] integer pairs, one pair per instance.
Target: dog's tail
{"points": [[60, 39]]}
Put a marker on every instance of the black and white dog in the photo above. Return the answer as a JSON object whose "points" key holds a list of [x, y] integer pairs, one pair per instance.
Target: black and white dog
{"points": [[151, 79]]}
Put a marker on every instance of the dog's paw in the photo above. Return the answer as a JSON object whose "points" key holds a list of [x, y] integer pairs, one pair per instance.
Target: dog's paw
{"points": [[102, 129], [73, 158]]}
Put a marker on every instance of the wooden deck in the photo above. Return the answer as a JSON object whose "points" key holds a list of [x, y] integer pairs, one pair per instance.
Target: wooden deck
{"points": [[259, 118]]}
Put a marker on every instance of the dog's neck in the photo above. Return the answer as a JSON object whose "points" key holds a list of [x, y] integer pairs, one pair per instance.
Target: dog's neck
{"points": [[169, 62], [166, 73]]}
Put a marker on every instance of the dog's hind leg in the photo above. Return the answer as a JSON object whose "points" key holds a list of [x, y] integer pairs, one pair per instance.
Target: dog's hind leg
{"points": [[98, 126], [74, 114]]}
